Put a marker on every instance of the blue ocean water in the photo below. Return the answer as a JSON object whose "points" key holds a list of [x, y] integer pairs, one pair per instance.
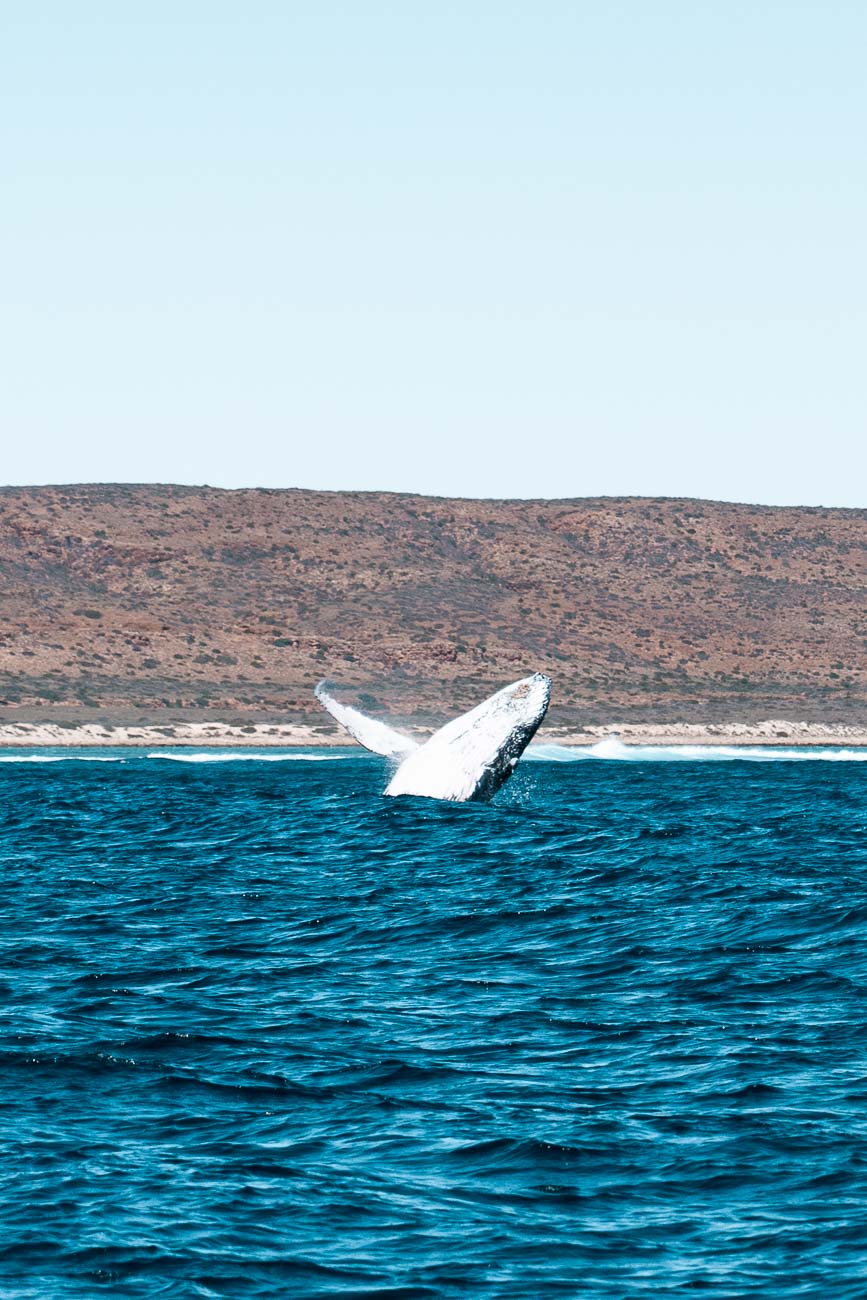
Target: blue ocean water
{"points": [[266, 1033]]}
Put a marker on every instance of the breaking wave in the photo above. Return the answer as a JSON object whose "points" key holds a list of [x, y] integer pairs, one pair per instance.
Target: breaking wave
{"points": [[134, 754], [235, 756], [613, 749], [61, 758]]}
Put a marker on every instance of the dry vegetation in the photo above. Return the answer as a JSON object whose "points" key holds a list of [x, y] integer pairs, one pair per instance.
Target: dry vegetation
{"points": [[157, 603]]}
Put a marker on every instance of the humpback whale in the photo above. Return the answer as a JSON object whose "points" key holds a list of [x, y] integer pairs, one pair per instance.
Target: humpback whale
{"points": [[470, 757]]}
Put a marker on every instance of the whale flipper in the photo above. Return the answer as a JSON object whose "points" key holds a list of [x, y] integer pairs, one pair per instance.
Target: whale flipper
{"points": [[373, 735], [470, 757]]}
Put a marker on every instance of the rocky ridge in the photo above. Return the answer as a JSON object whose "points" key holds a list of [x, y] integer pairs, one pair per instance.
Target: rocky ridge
{"points": [[127, 605]]}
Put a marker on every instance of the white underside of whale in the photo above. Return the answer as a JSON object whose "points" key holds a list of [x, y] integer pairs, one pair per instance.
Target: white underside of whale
{"points": [[470, 757]]}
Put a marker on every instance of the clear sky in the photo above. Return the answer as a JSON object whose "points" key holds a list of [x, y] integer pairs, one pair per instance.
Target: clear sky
{"points": [[513, 249]]}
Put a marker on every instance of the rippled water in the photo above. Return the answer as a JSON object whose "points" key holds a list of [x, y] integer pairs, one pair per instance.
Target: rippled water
{"points": [[266, 1033]]}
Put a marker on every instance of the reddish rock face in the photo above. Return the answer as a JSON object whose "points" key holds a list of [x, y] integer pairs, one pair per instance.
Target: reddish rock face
{"points": [[126, 603]]}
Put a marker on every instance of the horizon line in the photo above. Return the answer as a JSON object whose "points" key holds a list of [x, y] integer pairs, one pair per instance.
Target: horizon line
{"points": [[425, 496]]}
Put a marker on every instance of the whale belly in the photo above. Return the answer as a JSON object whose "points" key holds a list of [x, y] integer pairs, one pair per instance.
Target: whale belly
{"points": [[473, 756]]}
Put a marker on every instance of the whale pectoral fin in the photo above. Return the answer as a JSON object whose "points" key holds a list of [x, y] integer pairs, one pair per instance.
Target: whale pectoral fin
{"points": [[370, 733]]}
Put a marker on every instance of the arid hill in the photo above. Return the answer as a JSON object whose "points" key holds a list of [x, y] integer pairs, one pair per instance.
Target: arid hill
{"points": [[126, 603]]}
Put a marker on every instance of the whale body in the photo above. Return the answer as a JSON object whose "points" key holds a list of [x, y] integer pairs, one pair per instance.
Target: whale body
{"points": [[470, 757]]}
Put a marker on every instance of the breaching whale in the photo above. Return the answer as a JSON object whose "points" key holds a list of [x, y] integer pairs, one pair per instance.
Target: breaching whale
{"points": [[470, 757]]}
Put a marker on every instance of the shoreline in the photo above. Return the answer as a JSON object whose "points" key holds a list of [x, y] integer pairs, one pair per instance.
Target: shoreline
{"points": [[23, 735]]}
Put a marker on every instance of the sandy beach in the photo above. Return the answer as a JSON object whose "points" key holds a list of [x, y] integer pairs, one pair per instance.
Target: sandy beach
{"points": [[200, 734]]}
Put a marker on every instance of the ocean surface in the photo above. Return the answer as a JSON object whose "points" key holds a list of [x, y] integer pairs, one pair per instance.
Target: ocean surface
{"points": [[266, 1033]]}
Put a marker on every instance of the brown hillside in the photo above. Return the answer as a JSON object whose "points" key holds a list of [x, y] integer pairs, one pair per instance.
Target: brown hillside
{"points": [[123, 602]]}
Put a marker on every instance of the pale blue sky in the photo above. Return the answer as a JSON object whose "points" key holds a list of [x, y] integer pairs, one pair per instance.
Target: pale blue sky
{"points": [[550, 249]]}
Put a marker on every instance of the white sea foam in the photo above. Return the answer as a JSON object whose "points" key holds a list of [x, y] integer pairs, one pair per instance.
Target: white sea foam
{"points": [[613, 749], [61, 758], [235, 756]]}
